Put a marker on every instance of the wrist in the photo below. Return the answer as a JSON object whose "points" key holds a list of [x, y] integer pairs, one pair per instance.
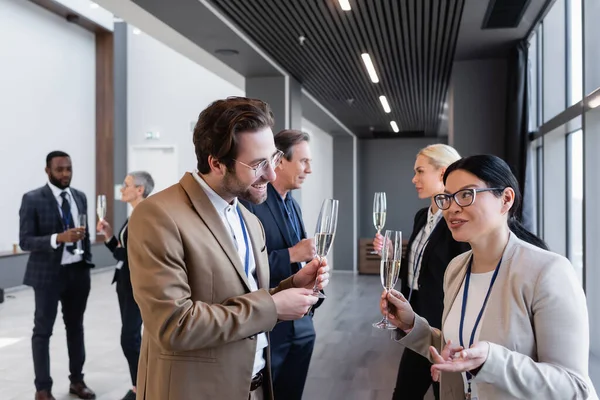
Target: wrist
{"points": [[292, 255]]}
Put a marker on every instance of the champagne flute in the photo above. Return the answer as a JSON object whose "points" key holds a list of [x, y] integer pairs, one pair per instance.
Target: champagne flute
{"points": [[391, 256], [379, 212], [325, 233], [82, 224], [101, 209]]}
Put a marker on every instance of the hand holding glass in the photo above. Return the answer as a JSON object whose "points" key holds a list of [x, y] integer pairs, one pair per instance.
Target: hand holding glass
{"points": [[101, 209], [82, 225], [391, 258], [379, 212], [325, 233]]}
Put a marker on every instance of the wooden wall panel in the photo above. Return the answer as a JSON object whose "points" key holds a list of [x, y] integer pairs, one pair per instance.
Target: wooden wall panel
{"points": [[105, 103]]}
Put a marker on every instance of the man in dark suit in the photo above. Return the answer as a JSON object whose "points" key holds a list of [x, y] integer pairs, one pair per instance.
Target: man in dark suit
{"points": [[291, 342], [58, 269]]}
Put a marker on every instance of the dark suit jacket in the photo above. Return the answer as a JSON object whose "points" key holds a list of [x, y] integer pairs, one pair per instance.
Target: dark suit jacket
{"points": [[277, 236], [120, 254], [39, 219], [440, 250]]}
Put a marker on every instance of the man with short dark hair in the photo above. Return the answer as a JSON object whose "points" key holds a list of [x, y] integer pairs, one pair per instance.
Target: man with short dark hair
{"points": [[58, 269], [292, 342], [199, 266]]}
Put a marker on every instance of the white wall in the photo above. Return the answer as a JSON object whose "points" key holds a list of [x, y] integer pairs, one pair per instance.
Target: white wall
{"points": [[166, 93], [319, 184], [47, 98]]}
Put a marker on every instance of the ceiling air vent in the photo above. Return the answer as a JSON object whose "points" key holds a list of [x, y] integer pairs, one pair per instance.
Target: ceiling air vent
{"points": [[504, 13]]}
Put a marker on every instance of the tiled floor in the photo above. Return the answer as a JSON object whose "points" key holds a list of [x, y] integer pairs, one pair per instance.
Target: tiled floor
{"points": [[351, 359]]}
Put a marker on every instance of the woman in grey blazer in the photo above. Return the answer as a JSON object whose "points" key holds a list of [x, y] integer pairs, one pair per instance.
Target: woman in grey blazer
{"points": [[515, 321]]}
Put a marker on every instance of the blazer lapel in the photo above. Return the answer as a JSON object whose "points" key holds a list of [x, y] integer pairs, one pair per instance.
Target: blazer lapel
{"points": [[209, 215], [53, 204], [78, 203], [262, 271], [455, 284], [274, 208]]}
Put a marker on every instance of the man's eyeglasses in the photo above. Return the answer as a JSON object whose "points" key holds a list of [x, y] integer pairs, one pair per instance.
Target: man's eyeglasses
{"points": [[261, 166], [463, 198]]}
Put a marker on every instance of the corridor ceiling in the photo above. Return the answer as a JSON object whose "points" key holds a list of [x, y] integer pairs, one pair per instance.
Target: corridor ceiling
{"points": [[412, 43]]}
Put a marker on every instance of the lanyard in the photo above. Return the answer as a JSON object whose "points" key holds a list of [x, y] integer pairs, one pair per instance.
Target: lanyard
{"points": [[418, 259], [464, 309], [416, 266], [247, 259]]}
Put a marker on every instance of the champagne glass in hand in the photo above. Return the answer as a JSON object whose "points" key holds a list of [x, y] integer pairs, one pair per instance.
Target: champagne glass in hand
{"points": [[101, 209], [82, 225], [379, 210], [325, 233], [391, 257]]}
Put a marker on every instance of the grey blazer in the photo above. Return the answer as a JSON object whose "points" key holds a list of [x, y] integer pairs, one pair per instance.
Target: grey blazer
{"points": [[536, 322]]}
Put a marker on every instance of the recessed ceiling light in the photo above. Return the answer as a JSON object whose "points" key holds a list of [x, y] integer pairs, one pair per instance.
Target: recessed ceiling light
{"points": [[370, 67], [136, 31], [227, 52], [395, 126], [94, 5], [345, 5], [385, 104]]}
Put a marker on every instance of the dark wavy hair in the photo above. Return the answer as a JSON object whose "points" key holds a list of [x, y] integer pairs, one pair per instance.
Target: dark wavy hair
{"points": [[215, 133], [496, 173]]}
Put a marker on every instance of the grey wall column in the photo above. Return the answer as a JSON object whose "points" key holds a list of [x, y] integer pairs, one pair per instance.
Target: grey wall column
{"points": [[120, 123], [345, 247], [284, 95]]}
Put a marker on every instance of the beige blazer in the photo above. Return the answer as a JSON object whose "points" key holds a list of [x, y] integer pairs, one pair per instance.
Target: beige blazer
{"points": [[200, 317], [536, 322]]}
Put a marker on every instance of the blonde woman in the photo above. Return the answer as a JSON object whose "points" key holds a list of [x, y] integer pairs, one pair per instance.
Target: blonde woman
{"points": [[430, 249]]}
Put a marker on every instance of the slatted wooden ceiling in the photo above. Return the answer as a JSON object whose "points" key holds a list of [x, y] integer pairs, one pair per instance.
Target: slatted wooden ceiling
{"points": [[411, 42]]}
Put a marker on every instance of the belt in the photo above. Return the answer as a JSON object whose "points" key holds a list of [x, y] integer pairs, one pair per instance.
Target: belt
{"points": [[256, 382]]}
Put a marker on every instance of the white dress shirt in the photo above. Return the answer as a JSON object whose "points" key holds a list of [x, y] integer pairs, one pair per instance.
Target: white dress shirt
{"points": [[67, 258], [231, 219], [418, 247]]}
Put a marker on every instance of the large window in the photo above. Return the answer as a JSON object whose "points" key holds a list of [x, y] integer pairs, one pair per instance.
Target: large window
{"points": [[564, 55], [575, 53], [575, 201]]}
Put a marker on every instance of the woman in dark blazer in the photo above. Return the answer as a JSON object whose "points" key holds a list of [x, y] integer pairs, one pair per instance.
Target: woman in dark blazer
{"points": [[136, 187], [430, 249]]}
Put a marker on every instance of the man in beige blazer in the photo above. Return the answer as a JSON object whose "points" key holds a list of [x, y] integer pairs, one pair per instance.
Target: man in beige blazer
{"points": [[199, 266]]}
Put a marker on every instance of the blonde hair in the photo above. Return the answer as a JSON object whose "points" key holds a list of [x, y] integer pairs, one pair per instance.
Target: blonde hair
{"points": [[440, 155]]}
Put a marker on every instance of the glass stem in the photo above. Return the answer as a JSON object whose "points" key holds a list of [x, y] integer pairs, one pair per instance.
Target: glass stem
{"points": [[315, 286]]}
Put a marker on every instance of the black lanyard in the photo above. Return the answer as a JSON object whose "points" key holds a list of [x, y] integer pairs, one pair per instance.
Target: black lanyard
{"points": [[464, 310], [247, 259], [416, 265]]}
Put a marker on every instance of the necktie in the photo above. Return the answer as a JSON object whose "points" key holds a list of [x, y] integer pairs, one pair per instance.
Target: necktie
{"points": [[67, 218]]}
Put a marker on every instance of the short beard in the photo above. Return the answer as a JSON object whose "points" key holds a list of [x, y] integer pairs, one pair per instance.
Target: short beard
{"points": [[57, 182], [233, 186]]}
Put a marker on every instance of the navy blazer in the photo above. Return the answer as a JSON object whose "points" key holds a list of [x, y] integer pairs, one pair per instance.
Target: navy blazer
{"points": [[440, 250], [39, 219], [119, 251]]}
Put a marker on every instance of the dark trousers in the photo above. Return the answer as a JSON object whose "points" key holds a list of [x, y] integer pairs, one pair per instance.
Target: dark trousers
{"points": [[291, 349], [414, 372], [72, 291], [131, 326]]}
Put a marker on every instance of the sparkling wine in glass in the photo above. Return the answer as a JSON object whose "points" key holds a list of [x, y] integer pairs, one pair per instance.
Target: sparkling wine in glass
{"points": [[379, 212], [325, 233], [82, 223], [101, 209], [391, 257]]}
